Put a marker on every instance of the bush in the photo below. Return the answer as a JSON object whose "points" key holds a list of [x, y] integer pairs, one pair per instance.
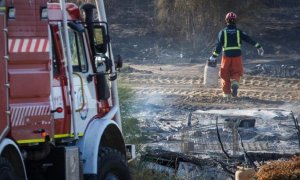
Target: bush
{"points": [[280, 170]]}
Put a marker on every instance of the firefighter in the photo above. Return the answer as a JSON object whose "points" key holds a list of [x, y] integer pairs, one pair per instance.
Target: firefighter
{"points": [[229, 41]]}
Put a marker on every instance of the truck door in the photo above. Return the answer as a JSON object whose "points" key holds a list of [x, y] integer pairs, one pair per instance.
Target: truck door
{"points": [[4, 121], [85, 94]]}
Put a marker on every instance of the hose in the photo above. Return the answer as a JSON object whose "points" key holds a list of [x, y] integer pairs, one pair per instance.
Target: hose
{"points": [[219, 138], [296, 126], [245, 153], [223, 165]]}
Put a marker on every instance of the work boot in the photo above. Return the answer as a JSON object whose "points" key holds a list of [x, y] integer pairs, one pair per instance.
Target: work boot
{"points": [[234, 89], [226, 96]]}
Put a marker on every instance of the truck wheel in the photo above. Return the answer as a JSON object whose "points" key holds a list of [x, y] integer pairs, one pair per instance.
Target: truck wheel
{"points": [[112, 165], [6, 170]]}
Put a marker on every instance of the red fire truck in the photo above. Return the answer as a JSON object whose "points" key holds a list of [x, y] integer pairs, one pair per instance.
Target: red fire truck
{"points": [[59, 109]]}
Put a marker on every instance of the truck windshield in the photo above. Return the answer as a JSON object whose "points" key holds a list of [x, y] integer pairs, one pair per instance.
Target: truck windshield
{"points": [[78, 55]]}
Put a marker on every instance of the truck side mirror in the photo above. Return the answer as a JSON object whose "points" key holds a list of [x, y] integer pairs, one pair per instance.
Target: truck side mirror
{"points": [[100, 39]]}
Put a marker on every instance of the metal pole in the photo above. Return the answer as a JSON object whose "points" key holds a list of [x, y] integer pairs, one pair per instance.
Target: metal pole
{"points": [[69, 63], [5, 60], [115, 95], [51, 82]]}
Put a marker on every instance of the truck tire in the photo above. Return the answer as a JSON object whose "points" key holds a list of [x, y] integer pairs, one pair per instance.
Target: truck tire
{"points": [[6, 170], [112, 165]]}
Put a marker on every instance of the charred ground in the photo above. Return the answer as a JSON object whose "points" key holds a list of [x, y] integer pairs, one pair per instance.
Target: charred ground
{"points": [[165, 66]]}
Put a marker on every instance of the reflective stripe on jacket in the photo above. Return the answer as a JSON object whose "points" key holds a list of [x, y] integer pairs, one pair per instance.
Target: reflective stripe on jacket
{"points": [[230, 40], [237, 44]]}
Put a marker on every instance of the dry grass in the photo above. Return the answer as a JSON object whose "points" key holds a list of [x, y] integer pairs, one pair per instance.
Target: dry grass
{"points": [[280, 170], [196, 23]]}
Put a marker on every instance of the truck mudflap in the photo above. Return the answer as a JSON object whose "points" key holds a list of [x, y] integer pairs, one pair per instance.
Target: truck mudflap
{"points": [[130, 152], [72, 163]]}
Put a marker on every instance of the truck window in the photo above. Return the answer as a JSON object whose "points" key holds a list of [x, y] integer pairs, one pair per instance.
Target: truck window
{"points": [[78, 55]]}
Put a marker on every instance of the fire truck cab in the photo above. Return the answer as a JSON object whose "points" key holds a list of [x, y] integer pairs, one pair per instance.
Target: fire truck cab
{"points": [[59, 108]]}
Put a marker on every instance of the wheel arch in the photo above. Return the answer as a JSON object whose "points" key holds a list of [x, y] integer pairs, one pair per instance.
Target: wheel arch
{"points": [[100, 132], [10, 151], [113, 138]]}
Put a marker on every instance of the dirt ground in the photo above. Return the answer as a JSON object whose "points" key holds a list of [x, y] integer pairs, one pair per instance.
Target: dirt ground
{"points": [[181, 86]]}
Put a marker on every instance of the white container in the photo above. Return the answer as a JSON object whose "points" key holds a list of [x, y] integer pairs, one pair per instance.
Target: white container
{"points": [[244, 173], [211, 75]]}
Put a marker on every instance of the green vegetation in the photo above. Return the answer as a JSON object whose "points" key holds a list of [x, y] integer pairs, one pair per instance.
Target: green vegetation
{"points": [[130, 124]]}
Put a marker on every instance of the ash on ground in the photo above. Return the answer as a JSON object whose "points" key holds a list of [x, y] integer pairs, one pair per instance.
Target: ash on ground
{"points": [[182, 143]]}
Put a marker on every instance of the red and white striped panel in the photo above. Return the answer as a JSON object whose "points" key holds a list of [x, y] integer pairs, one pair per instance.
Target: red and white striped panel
{"points": [[18, 113], [28, 45]]}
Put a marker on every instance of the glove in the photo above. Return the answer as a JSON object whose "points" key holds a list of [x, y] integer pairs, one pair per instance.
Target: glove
{"points": [[260, 51], [212, 59]]}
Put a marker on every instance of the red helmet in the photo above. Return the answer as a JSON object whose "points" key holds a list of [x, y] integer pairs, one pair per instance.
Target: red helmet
{"points": [[230, 17]]}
